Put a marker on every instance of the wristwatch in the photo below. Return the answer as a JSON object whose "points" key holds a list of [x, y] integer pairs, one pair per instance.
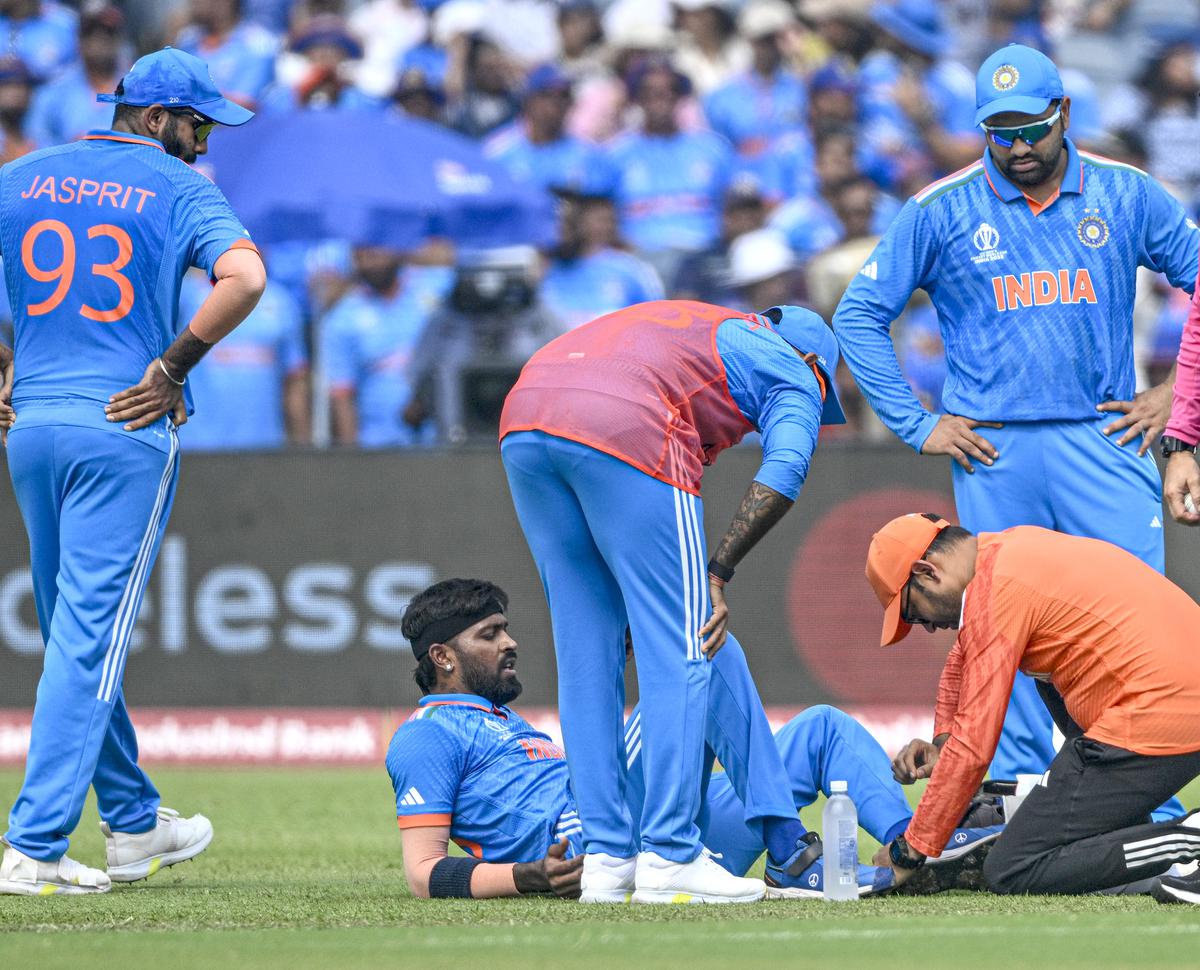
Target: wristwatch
{"points": [[1170, 445], [898, 853]]}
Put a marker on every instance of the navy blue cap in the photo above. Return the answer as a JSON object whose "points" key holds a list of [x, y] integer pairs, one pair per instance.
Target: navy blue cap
{"points": [[1016, 78], [810, 334], [547, 77], [175, 79]]}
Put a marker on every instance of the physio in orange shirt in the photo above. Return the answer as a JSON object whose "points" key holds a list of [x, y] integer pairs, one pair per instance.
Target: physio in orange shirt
{"points": [[1112, 644]]}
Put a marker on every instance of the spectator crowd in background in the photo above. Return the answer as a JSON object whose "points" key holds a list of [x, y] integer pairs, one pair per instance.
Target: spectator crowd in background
{"points": [[740, 152]]}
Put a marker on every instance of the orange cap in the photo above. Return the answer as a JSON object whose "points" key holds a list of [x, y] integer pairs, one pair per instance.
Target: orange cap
{"points": [[894, 549]]}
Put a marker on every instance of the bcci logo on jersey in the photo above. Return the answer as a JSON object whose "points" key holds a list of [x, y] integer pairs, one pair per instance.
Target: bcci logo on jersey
{"points": [[986, 239], [1092, 231]]}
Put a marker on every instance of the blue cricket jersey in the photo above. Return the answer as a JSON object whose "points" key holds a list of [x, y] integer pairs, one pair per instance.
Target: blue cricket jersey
{"points": [[65, 108], [499, 784], [238, 388], [1036, 312], [750, 110], [46, 42], [778, 394], [367, 345], [97, 236], [567, 163], [242, 65], [579, 290], [668, 189]]}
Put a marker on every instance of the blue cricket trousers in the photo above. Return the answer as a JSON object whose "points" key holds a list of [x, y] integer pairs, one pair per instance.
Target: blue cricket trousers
{"points": [[95, 503], [1070, 477], [615, 547], [818, 746], [769, 776]]}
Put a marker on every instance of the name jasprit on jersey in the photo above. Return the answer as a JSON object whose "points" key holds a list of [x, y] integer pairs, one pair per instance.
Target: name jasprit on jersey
{"points": [[70, 189]]}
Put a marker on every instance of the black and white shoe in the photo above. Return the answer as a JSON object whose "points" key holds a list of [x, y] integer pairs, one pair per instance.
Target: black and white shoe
{"points": [[1179, 887]]}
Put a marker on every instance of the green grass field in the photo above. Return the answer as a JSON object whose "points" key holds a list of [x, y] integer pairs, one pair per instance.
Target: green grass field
{"points": [[305, 872]]}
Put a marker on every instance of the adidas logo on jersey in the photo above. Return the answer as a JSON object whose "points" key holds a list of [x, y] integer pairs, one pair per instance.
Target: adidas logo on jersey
{"points": [[870, 271], [412, 797], [1156, 523]]}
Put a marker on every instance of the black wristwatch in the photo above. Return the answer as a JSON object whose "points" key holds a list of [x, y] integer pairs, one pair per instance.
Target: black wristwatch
{"points": [[1170, 445], [898, 853]]}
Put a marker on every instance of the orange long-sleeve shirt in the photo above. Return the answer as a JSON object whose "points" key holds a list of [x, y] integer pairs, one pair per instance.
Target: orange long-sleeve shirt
{"points": [[1119, 641]]}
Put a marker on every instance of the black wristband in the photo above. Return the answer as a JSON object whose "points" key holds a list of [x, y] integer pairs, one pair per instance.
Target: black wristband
{"points": [[898, 853], [451, 878], [1171, 445], [721, 571]]}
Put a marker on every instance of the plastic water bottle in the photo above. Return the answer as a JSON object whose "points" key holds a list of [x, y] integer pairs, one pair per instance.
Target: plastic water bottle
{"points": [[839, 828]]}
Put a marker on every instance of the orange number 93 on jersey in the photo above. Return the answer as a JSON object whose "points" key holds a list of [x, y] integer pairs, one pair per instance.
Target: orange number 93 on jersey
{"points": [[63, 273]]}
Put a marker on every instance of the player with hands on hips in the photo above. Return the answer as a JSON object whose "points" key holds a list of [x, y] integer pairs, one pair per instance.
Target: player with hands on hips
{"points": [[97, 236], [1029, 256]]}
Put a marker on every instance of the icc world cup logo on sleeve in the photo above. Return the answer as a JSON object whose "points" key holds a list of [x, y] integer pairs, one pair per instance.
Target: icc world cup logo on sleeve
{"points": [[1092, 230]]}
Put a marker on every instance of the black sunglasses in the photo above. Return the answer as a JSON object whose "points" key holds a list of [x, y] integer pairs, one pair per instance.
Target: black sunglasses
{"points": [[201, 127]]}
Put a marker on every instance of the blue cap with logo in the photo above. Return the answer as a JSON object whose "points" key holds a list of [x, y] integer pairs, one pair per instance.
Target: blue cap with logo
{"points": [[1016, 78], [810, 334], [176, 79]]}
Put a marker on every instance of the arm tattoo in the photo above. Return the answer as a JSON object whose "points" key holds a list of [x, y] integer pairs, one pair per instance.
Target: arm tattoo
{"points": [[185, 353], [761, 508]]}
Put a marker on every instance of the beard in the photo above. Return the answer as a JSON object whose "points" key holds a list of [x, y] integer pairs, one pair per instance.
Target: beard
{"points": [[1047, 162], [942, 607], [488, 682], [173, 145]]}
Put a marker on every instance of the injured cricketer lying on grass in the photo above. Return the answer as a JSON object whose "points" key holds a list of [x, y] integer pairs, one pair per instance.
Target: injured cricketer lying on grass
{"points": [[467, 768]]}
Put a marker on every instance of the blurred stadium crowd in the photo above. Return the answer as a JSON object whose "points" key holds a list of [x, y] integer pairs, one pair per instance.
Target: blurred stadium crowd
{"points": [[741, 152]]}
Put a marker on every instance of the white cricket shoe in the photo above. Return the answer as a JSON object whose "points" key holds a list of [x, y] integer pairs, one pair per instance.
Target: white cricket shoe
{"points": [[134, 856], [21, 875], [700, 881], [607, 878]]}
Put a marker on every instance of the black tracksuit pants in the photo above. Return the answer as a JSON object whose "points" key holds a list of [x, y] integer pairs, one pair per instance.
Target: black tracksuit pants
{"points": [[1086, 827]]}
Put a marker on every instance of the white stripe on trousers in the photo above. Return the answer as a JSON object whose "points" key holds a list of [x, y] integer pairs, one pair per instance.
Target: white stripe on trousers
{"points": [[114, 657], [1185, 847], [691, 544], [1131, 847], [685, 567], [634, 725], [700, 572]]}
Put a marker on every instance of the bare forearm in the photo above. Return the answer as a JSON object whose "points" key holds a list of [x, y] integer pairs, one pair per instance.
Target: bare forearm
{"points": [[296, 408], [345, 419], [761, 508], [240, 281]]}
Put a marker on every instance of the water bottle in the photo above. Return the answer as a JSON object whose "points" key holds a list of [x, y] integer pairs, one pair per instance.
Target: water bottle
{"points": [[839, 827]]}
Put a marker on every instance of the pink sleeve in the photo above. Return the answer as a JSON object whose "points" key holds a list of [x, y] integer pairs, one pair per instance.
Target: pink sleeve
{"points": [[1185, 410], [425, 846]]}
